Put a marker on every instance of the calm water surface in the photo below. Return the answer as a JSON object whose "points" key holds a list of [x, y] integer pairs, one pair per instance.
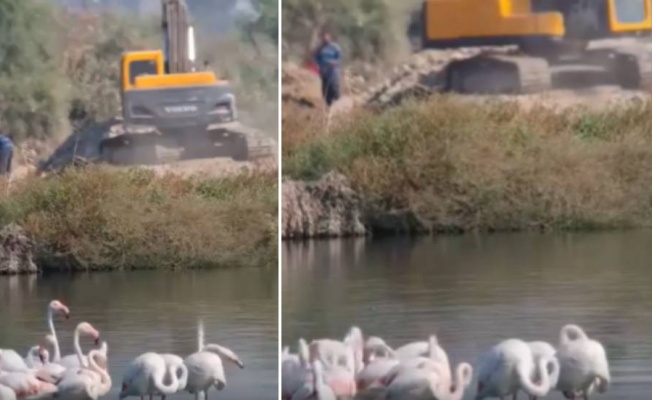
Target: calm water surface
{"points": [[137, 312], [474, 291]]}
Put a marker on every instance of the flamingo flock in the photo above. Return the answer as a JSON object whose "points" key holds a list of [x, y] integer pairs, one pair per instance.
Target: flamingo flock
{"points": [[355, 368], [82, 376]]}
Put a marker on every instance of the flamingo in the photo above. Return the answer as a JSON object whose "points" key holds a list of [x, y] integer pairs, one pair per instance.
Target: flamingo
{"points": [[426, 383], [317, 388], [430, 349], [26, 384], [48, 371], [34, 357], [376, 347], [545, 350], [205, 367], [87, 383], [11, 361], [583, 364], [6, 393], [334, 352], [180, 370], [145, 376], [508, 367], [295, 370], [56, 307], [78, 360], [372, 374]]}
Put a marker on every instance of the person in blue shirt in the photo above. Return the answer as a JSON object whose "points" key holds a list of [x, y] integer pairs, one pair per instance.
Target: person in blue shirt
{"points": [[6, 154], [328, 57]]}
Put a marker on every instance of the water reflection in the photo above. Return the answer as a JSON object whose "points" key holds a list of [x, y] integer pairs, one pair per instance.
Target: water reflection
{"points": [[475, 290]]}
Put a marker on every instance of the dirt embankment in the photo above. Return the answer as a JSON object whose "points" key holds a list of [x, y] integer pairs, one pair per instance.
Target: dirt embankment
{"points": [[329, 208], [48, 178]]}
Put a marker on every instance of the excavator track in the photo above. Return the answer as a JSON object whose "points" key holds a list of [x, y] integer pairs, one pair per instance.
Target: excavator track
{"points": [[633, 68], [498, 74]]}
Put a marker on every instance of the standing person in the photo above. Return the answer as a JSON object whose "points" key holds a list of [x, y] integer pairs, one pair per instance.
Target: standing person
{"points": [[328, 57], [6, 154]]}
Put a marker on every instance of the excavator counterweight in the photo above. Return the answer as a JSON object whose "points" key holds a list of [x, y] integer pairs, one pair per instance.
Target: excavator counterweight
{"points": [[549, 37], [171, 111]]}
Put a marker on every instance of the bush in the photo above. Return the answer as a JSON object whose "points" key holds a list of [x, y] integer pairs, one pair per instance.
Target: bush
{"points": [[99, 219], [491, 166]]}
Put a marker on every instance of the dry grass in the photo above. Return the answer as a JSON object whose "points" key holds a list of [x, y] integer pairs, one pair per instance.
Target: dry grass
{"points": [[98, 219], [490, 166]]}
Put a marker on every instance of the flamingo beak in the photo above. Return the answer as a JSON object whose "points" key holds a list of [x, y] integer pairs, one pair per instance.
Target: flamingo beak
{"points": [[97, 340], [240, 364]]}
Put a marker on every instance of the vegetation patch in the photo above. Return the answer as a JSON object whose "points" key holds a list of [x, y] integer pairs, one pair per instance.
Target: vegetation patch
{"points": [[488, 165], [96, 218]]}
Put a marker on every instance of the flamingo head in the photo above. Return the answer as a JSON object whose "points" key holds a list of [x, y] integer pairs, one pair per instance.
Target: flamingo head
{"points": [[59, 307], [43, 354], [88, 329]]}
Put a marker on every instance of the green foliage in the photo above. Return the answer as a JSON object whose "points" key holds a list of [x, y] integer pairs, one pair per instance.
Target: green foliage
{"points": [[372, 30], [31, 91]]}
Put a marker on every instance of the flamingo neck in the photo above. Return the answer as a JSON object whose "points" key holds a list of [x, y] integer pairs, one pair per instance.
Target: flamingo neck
{"points": [[525, 379], [78, 350], [460, 382], [105, 378], [55, 340], [158, 381]]}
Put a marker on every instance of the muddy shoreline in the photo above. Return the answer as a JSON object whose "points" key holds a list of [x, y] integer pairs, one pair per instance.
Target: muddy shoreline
{"points": [[330, 208]]}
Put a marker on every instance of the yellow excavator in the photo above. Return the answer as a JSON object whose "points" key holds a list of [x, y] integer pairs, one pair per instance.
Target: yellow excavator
{"points": [[170, 110], [550, 36]]}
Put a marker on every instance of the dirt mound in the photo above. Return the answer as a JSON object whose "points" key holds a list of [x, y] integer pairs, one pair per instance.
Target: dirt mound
{"points": [[301, 86], [326, 208]]}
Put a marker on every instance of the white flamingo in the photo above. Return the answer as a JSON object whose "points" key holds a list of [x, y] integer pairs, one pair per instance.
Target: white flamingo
{"points": [[583, 364], [509, 367], [11, 361], [6, 393], [145, 375], [87, 383], [34, 356], [374, 348], [430, 349], [26, 385], [547, 351], [316, 388], [78, 359], [334, 352], [205, 368], [429, 382], [372, 375], [180, 370], [295, 370], [56, 307]]}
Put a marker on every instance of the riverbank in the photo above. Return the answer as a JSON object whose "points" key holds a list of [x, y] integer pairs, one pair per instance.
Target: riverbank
{"points": [[97, 218], [453, 165]]}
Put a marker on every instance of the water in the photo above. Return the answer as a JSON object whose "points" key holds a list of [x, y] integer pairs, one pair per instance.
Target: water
{"points": [[137, 312], [474, 291]]}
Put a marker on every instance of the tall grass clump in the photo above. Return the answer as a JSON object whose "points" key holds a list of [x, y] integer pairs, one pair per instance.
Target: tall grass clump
{"points": [[492, 165], [99, 219]]}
